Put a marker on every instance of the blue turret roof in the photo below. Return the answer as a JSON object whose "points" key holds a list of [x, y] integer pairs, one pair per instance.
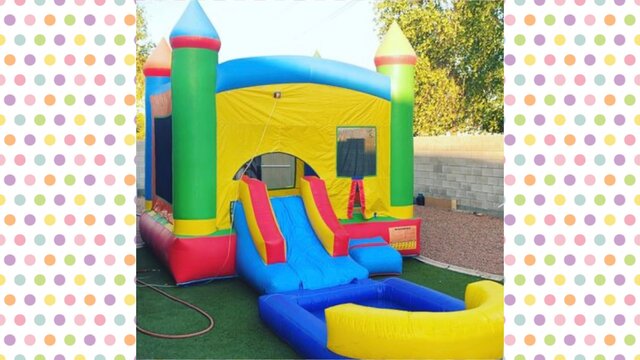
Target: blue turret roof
{"points": [[194, 22]]}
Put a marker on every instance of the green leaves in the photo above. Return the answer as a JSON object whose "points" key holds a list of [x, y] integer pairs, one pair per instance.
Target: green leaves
{"points": [[459, 77], [437, 106], [143, 49]]}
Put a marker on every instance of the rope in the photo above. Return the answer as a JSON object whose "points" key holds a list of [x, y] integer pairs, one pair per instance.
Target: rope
{"points": [[264, 131], [180, 301], [245, 168]]}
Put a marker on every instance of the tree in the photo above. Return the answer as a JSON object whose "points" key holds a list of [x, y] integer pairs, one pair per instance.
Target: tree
{"points": [[481, 53], [437, 101], [143, 49], [459, 79]]}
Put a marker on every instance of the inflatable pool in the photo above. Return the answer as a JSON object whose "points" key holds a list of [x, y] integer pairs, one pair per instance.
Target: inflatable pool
{"points": [[389, 319]]}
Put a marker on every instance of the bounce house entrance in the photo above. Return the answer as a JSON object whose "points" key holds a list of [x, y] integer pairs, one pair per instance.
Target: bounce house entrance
{"points": [[280, 171]]}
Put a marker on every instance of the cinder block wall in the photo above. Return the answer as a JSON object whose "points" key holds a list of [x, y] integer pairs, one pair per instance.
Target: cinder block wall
{"points": [[468, 169]]}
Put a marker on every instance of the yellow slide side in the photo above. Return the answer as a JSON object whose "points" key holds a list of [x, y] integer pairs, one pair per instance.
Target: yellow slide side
{"points": [[325, 234], [372, 333], [252, 222]]}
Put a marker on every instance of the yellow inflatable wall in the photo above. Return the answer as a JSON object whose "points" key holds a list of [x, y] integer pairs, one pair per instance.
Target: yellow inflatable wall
{"points": [[475, 333], [251, 121]]}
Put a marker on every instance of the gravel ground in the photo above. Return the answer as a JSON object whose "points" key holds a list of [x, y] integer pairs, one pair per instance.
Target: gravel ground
{"points": [[451, 237], [462, 239]]}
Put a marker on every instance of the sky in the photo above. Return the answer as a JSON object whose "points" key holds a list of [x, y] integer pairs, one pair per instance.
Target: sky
{"points": [[342, 30]]}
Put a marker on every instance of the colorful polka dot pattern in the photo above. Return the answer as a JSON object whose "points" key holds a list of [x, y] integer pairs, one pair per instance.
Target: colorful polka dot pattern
{"points": [[572, 236], [67, 185]]}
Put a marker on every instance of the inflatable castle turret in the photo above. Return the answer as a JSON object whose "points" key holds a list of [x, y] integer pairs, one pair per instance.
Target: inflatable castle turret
{"points": [[195, 45], [181, 153], [157, 72], [396, 59]]}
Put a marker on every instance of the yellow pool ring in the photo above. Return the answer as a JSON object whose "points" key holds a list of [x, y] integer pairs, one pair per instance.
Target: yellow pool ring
{"points": [[371, 333]]}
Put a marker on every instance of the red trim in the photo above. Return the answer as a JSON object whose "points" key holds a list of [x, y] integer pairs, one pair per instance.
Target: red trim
{"points": [[156, 72], [190, 259], [198, 42], [368, 245], [357, 185], [273, 240], [352, 200], [395, 60], [363, 204], [372, 228], [321, 198]]}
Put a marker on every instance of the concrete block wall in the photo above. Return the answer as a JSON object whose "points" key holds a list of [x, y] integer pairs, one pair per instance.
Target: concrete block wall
{"points": [[468, 169]]}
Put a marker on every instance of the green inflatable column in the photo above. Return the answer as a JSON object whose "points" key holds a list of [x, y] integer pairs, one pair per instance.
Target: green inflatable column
{"points": [[396, 59], [195, 44]]}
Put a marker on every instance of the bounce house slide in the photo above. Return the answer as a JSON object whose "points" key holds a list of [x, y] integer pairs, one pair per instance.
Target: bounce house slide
{"points": [[306, 265]]}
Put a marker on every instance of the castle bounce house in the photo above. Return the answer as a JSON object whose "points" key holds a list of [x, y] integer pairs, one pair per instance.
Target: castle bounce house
{"points": [[296, 174]]}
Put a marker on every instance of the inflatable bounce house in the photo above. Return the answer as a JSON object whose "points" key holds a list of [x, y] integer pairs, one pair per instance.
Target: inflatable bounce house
{"points": [[296, 174]]}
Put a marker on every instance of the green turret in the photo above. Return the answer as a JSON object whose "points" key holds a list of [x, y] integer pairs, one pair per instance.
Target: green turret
{"points": [[396, 59], [195, 44]]}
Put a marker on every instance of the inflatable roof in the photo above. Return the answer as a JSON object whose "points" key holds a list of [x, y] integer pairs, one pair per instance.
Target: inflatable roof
{"points": [[269, 70]]}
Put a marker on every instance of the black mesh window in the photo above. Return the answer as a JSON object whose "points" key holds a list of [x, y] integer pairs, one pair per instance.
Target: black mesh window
{"points": [[164, 180], [356, 152]]}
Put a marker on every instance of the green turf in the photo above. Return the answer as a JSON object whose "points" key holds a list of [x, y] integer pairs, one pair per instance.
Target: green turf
{"points": [[358, 218], [238, 332]]}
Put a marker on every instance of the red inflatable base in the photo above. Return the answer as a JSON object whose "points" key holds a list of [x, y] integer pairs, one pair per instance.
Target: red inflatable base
{"points": [[190, 259], [404, 235]]}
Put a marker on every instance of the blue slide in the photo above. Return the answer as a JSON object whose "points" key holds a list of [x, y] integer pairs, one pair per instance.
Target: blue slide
{"points": [[308, 265]]}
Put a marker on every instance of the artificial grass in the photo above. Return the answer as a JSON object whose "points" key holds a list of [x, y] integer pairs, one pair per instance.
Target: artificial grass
{"points": [[358, 218], [238, 332]]}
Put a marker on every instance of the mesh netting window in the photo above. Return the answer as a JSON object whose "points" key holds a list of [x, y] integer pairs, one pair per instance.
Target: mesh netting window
{"points": [[162, 152], [356, 152], [277, 170]]}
